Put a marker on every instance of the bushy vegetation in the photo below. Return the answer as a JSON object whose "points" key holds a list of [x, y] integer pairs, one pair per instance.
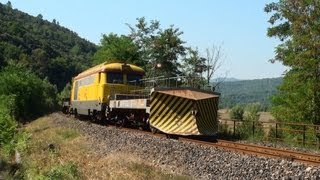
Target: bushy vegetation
{"points": [[12, 141], [24, 96], [249, 126], [32, 96], [7, 123], [236, 112], [66, 171], [65, 93]]}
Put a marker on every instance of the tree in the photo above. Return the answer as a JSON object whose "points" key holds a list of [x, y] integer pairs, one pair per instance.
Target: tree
{"points": [[296, 24], [192, 67], [142, 35], [117, 48], [236, 112], [214, 60], [167, 47], [32, 96], [9, 4], [39, 16], [41, 46], [158, 46]]}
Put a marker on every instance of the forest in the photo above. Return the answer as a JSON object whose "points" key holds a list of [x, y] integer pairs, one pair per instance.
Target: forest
{"points": [[37, 59], [248, 91], [45, 48]]}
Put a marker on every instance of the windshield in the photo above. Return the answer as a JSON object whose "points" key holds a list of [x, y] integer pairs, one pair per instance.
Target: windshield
{"points": [[134, 79], [115, 77]]}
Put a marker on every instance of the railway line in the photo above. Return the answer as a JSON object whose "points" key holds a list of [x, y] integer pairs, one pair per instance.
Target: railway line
{"points": [[200, 158], [307, 158], [250, 149]]}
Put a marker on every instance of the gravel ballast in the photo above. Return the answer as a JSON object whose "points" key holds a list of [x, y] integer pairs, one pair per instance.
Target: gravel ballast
{"points": [[200, 162]]}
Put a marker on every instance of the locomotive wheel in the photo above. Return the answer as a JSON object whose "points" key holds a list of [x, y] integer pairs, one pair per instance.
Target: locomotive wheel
{"points": [[65, 110], [75, 113], [123, 122], [99, 116]]}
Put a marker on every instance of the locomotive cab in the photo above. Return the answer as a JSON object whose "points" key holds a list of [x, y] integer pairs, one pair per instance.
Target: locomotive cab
{"points": [[92, 89]]}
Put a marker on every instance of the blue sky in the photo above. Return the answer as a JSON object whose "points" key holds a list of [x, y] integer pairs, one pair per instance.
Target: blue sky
{"points": [[238, 26]]}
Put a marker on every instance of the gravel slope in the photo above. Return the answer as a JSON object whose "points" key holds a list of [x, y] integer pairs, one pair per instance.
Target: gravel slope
{"points": [[186, 158]]}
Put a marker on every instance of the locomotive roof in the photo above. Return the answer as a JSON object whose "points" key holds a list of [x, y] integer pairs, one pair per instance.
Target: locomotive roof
{"points": [[111, 67]]}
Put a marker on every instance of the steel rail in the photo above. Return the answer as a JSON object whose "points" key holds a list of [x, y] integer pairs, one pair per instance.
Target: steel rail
{"points": [[250, 149], [306, 158]]}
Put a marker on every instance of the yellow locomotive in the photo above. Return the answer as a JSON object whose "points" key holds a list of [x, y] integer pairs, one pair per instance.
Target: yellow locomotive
{"points": [[93, 88], [114, 92]]}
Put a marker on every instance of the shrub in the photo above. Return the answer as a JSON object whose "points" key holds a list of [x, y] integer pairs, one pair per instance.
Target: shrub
{"points": [[65, 93], [33, 96], [237, 112], [251, 127], [7, 122], [275, 133], [65, 171]]}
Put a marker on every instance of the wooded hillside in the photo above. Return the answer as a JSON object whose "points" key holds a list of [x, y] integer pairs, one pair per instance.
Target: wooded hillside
{"points": [[248, 91], [46, 48]]}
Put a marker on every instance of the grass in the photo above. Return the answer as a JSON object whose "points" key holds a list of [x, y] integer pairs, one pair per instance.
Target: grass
{"points": [[55, 152], [124, 166]]}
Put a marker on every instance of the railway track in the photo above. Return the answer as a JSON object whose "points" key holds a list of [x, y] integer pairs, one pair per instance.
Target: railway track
{"points": [[302, 157], [307, 158]]}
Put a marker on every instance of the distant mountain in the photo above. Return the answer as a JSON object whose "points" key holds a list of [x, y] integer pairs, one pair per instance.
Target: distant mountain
{"points": [[248, 91], [225, 80], [47, 48]]}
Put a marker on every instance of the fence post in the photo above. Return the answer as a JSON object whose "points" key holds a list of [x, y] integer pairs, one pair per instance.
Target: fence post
{"points": [[276, 132], [252, 128], [234, 128], [304, 135]]}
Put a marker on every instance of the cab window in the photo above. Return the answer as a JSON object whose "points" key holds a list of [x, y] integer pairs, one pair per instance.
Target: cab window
{"points": [[115, 77], [134, 79]]}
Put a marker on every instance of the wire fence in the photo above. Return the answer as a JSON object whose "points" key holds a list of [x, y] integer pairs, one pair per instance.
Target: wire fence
{"points": [[301, 134]]}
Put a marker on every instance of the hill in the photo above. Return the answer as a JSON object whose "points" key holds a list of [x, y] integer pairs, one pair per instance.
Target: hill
{"points": [[46, 48], [248, 91]]}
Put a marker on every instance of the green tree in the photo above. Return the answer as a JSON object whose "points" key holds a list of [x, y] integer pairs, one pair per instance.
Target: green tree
{"points": [[116, 48], [251, 111], [9, 5], [33, 96], [157, 45], [296, 24], [236, 112], [65, 93], [192, 67], [39, 16]]}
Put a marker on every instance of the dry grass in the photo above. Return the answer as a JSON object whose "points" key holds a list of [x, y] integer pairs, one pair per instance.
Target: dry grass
{"points": [[265, 118], [56, 152]]}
